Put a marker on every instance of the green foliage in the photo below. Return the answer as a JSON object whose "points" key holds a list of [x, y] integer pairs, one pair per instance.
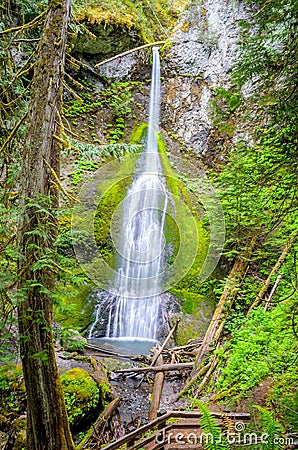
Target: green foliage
{"points": [[272, 429], [223, 110], [81, 394], [71, 340], [257, 187], [82, 166], [87, 151], [212, 434], [118, 96], [268, 47], [283, 396], [263, 346], [12, 391]]}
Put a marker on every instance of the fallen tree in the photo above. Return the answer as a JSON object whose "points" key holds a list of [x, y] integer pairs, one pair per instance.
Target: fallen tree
{"points": [[274, 270], [161, 368], [97, 429], [221, 312]]}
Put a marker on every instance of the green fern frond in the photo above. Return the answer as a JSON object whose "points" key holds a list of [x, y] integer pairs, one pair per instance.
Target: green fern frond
{"points": [[272, 428], [211, 430]]}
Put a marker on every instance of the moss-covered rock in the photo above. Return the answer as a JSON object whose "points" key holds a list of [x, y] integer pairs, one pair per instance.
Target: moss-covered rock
{"points": [[82, 395], [72, 340], [197, 312], [75, 308], [106, 41]]}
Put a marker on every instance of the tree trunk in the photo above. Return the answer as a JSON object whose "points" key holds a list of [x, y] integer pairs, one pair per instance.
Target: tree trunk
{"points": [[47, 423]]}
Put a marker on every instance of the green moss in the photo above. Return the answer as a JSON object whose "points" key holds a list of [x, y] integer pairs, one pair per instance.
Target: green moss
{"points": [[81, 393], [189, 212], [284, 395], [114, 192], [197, 312], [150, 21], [103, 217], [138, 134], [75, 308]]}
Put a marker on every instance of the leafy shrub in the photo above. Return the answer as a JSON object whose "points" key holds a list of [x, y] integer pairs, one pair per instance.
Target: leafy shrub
{"points": [[257, 350], [284, 397]]}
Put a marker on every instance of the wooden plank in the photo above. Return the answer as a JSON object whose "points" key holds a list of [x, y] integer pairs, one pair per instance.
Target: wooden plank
{"points": [[136, 434]]}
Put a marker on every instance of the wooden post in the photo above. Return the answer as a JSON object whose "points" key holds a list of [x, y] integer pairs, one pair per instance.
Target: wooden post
{"points": [[157, 389], [172, 331]]}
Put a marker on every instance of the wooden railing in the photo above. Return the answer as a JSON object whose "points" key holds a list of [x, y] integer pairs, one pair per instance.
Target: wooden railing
{"points": [[161, 423]]}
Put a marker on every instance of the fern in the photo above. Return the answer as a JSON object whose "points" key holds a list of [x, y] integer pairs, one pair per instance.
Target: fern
{"points": [[211, 429], [272, 428]]}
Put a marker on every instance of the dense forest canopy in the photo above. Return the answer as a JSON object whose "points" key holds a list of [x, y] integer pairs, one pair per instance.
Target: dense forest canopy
{"points": [[97, 119]]}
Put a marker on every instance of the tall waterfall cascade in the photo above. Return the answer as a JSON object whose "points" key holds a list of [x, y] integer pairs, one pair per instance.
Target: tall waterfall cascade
{"points": [[135, 297]]}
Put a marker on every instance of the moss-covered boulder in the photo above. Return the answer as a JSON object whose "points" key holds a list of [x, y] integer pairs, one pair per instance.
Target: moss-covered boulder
{"points": [[106, 29], [72, 340], [83, 395], [194, 322], [75, 311]]}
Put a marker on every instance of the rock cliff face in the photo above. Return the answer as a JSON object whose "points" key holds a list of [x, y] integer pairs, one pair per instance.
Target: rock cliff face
{"points": [[200, 56], [204, 47]]}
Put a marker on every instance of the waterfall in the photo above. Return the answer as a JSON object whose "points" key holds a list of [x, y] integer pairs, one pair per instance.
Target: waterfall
{"points": [[135, 296]]}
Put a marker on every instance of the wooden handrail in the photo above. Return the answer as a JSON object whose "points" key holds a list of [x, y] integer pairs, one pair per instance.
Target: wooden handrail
{"points": [[131, 437]]}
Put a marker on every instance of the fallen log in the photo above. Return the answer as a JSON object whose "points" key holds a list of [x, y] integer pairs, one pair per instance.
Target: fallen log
{"points": [[220, 314], [107, 352], [161, 368], [98, 427], [156, 391], [120, 55], [187, 346], [268, 300]]}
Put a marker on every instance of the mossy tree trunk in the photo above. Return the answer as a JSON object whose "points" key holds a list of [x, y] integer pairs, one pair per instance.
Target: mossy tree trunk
{"points": [[47, 423]]}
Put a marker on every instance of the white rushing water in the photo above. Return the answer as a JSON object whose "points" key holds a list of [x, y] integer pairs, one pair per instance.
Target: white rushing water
{"points": [[135, 301]]}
